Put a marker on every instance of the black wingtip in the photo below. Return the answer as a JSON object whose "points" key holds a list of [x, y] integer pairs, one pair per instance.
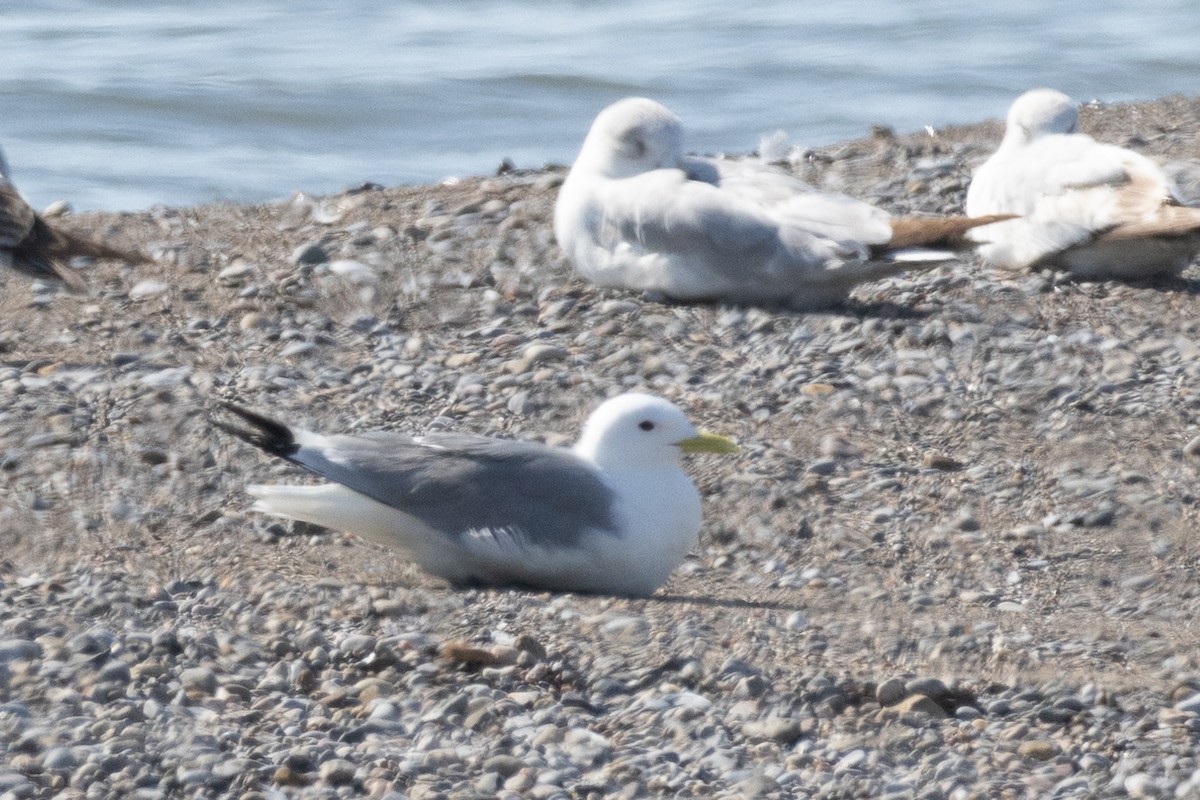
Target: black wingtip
{"points": [[267, 434]]}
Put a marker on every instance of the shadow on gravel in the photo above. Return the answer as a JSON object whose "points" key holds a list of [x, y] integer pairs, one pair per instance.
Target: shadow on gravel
{"points": [[724, 602], [882, 309]]}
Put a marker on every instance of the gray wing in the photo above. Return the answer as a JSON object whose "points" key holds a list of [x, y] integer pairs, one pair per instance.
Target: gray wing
{"points": [[741, 217], [666, 212], [846, 220], [470, 486]]}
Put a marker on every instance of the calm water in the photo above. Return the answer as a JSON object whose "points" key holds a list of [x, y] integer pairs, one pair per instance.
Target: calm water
{"points": [[122, 104]]}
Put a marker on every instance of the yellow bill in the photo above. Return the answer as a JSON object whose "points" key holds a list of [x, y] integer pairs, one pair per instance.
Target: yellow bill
{"points": [[706, 442]]}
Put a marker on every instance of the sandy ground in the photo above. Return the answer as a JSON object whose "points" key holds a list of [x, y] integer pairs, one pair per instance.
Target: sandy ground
{"points": [[963, 473]]}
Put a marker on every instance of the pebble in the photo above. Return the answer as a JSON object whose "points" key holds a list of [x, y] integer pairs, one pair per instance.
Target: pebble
{"points": [[200, 680], [19, 650], [890, 692], [779, 729], [310, 253], [1038, 749], [337, 772], [145, 289], [920, 704]]}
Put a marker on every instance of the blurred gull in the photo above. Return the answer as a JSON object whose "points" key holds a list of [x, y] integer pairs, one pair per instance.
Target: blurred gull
{"points": [[614, 514], [634, 212], [1098, 210], [30, 245]]}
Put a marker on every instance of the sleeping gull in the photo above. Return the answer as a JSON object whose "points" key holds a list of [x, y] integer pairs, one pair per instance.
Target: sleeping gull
{"points": [[635, 212], [614, 514], [30, 245], [1098, 210]]}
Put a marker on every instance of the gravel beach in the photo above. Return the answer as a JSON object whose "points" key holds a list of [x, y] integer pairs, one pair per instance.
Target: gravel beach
{"points": [[955, 559]]}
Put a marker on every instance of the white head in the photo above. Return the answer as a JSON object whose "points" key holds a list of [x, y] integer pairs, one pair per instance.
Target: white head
{"points": [[641, 430], [1040, 112], [632, 136]]}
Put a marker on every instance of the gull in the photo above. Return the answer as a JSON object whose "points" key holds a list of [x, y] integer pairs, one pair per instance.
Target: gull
{"points": [[614, 514], [32, 246], [635, 212], [1094, 209]]}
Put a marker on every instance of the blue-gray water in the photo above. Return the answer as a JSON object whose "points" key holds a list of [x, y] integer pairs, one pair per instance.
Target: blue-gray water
{"points": [[122, 104]]}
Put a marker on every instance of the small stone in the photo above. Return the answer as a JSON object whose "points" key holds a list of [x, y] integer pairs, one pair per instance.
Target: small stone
{"points": [[940, 461], [286, 776], [19, 650], [460, 360], [537, 354], [585, 746], [850, 761], [359, 645], [386, 607], [890, 691], [236, 273], [503, 764], [930, 687], [1038, 749], [611, 308], [310, 253], [355, 272], [528, 644], [336, 772], [779, 729], [253, 321], [519, 404], [143, 290], [198, 680], [59, 758], [197, 776], [626, 625], [473, 656], [920, 704], [297, 349], [1190, 704], [796, 621], [1140, 784]]}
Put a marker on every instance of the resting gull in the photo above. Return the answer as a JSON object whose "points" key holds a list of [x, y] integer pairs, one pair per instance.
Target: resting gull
{"points": [[614, 514], [635, 212], [30, 245], [1097, 210]]}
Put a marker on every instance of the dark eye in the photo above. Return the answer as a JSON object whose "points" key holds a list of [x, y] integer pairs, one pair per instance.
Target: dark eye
{"points": [[646, 425]]}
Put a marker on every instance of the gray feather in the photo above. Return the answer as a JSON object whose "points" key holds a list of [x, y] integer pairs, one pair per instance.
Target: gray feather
{"points": [[466, 485]]}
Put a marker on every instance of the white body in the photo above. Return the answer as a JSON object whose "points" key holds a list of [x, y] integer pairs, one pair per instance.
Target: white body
{"points": [[655, 536], [1094, 209], [635, 213]]}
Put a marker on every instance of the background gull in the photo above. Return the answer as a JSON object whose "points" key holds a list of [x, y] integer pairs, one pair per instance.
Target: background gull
{"points": [[1095, 209], [635, 212], [30, 245], [614, 514]]}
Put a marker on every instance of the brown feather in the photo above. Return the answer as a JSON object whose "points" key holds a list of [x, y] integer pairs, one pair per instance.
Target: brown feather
{"points": [[937, 231], [1169, 220]]}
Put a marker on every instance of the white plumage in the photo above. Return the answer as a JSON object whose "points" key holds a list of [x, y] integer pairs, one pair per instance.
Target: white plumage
{"points": [[1098, 210]]}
